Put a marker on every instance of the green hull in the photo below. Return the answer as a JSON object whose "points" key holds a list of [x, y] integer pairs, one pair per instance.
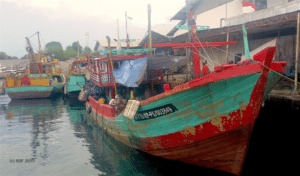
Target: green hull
{"points": [[33, 92], [27, 92], [199, 105], [74, 84]]}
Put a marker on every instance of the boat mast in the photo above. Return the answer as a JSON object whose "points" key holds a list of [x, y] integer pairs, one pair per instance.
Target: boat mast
{"points": [[30, 50], [127, 36], [111, 62], [149, 29], [77, 49], [189, 32], [40, 48]]}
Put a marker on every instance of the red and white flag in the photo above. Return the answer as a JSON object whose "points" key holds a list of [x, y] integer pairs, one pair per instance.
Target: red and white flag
{"points": [[248, 7], [127, 42]]}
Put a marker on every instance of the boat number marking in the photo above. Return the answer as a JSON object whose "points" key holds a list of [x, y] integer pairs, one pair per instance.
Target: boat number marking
{"points": [[155, 112]]}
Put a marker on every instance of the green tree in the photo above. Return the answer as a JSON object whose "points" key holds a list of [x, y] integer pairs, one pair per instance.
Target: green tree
{"points": [[57, 51], [75, 47], [12, 57], [26, 56], [69, 53], [3, 56], [86, 51], [53, 43]]}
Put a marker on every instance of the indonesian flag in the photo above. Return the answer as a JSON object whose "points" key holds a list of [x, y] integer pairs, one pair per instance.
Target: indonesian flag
{"points": [[248, 7], [127, 42]]}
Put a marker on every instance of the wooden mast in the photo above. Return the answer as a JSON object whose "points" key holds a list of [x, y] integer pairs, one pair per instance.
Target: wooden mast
{"points": [[111, 63], [187, 2], [297, 55], [30, 50], [149, 29]]}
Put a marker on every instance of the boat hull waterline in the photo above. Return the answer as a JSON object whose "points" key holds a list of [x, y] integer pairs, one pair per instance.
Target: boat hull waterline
{"points": [[32, 92]]}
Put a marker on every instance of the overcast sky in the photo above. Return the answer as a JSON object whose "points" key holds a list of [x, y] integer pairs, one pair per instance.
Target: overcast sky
{"points": [[67, 21]]}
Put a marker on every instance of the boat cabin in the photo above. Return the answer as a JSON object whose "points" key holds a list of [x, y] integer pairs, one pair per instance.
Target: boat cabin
{"points": [[78, 67]]}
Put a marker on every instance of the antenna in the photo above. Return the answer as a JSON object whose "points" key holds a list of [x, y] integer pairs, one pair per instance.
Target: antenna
{"points": [[87, 39]]}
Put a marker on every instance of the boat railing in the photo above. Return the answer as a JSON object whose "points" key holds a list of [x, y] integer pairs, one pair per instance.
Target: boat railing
{"points": [[102, 79]]}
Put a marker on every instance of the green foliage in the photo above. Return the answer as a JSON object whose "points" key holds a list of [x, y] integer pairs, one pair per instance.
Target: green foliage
{"points": [[86, 51], [69, 53], [57, 51], [3, 56], [75, 47], [53, 43], [12, 57], [26, 56]]}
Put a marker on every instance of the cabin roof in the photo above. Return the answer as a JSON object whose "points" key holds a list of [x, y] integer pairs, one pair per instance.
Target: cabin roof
{"points": [[155, 62]]}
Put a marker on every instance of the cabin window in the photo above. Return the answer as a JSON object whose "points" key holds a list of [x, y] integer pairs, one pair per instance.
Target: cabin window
{"points": [[103, 67], [261, 4]]}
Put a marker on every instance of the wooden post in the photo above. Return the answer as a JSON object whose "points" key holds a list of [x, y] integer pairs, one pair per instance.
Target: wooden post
{"points": [[297, 55], [149, 29], [77, 49], [111, 62], [227, 47], [187, 2]]}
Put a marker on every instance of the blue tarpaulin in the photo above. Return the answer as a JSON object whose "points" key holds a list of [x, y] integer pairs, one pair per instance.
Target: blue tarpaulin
{"points": [[131, 72]]}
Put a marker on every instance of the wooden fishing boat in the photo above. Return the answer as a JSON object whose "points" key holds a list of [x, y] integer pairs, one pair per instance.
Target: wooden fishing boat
{"points": [[42, 79], [76, 77], [206, 122]]}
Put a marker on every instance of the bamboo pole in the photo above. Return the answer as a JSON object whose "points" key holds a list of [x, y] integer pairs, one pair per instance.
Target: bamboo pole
{"points": [[111, 62], [189, 34], [149, 29], [297, 55], [227, 47], [77, 49]]}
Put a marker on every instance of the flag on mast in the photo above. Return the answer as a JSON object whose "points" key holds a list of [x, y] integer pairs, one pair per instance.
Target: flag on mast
{"points": [[127, 42]]}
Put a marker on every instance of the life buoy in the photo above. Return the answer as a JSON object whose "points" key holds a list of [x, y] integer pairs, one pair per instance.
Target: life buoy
{"points": [[28, 49], [55, 60]]}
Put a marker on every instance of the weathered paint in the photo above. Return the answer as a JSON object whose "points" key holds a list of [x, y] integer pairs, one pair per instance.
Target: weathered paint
{"points": [[207, 108], [29, 92], [195, 107], [272, 81], [75, 83]]}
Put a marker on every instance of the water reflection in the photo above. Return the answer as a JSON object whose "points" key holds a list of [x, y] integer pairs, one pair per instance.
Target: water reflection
{"points": [[115, 158], [56, 134], [42, 115]]}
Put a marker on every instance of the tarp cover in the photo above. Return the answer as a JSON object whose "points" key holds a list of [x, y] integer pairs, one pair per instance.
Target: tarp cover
{"points": [[131, 72]]}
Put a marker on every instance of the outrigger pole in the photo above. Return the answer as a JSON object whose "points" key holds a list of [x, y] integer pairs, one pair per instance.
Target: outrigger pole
{"points": [[111, 62]]}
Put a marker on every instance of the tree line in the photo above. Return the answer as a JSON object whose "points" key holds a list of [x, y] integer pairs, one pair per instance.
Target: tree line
{"points": [[4, 56], [55, 50]]}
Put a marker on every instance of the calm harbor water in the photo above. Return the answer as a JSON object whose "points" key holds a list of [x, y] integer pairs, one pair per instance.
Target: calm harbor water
{"points": [[53, 137]]}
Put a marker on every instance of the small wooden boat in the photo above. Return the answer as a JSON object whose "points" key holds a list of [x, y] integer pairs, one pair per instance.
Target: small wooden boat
{"points": [[42, 79], [76, 77]]}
